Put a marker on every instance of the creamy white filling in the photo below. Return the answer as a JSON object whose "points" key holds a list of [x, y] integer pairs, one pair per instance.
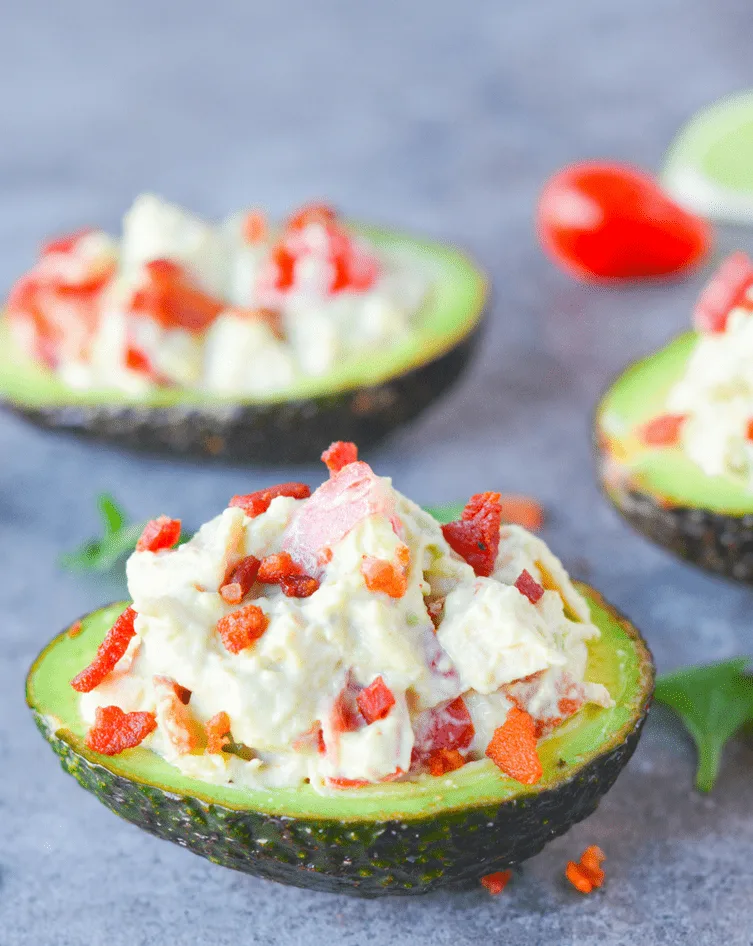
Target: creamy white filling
{"points": [[716, 394], [343, 637]]}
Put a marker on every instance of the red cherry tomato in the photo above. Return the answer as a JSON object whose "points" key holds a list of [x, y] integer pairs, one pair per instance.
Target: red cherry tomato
{"points": [[604, 221]]}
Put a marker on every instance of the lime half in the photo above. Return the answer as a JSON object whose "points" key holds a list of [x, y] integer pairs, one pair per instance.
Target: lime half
{"points": [[709, 166]]}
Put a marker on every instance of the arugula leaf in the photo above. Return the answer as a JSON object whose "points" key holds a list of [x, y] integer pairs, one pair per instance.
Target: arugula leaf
{"points": [[119, 538], [714, 701]]}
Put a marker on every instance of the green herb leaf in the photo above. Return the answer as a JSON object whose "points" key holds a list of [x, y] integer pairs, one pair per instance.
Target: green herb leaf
{"points": [[119, 538], [450, 512], [714, 701]]}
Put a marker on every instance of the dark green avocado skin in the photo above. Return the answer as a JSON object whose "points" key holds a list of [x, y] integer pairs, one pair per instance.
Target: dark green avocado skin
{"points": [[362, 858], [282, 432], [719, 543]]}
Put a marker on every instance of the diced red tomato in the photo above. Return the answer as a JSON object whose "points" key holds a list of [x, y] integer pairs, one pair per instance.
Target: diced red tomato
{"points": [[375, 701], [443, 727], [158, 534], [442, 761], [528, 586], [172, 300], [725, 291], [662, 431], [346, 715], [606, 221]]}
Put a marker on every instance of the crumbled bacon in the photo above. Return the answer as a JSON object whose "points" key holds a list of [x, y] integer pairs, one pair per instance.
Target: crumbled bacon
{"points": [[513, 748], [360, 782], [339, 454], [391, 578], [254, 504], [375, 701], [298, 586], [528, 586], [725, 291], [217, 731], [108, 654], [275, 567], [170, 298], [240, 629], [587, 874], [161, 533], [312, 738], [114, 731], [311, 213], [238, 580], [175, 718], [496, 883], [522, 511], [442, 727], [662, 431], [442, 761], [749, 430], [66, 243], [254, 226], [476, 536], [345, 715]]}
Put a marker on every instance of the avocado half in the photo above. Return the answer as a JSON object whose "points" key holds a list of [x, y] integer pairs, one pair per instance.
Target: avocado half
{"points": [[393, 838], [364, 399], [707, 520]]}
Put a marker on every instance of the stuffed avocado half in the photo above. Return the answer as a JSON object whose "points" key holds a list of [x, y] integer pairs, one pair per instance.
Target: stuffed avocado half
{"points": [[672, 434], [235, 341], [334, 691]]}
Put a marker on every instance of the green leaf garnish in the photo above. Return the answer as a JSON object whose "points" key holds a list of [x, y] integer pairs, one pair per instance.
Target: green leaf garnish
{"points": [[714, 701], [450, 512], [119, 538], [239, 749]]}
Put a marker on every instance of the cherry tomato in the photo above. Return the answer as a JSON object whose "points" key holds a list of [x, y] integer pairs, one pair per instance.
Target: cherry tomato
{"points": [[604, 221]]}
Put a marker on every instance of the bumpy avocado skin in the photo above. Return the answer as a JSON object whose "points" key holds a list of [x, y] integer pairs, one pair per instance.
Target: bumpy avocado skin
{"points": [[363, 858], [275, 432]]}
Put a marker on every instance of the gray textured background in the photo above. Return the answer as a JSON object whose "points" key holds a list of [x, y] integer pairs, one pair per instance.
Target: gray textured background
{"points": [[438, 117]]}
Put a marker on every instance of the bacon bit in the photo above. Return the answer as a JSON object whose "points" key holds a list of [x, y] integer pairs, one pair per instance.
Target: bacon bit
{"points": [[476, 536], [254, 504], [240, 629], [513, 748], [162, 533], [254, 226], [172, 300], [387, 577], [345, 715], [725, 291], [217, 731], [662, 431], [176, 720], [749, 430], [298, 586], [496, 883], [528, 586], [108, 654], [442, 761], [64, 244], [587, 874], [311, 213], [522, 511], [239, 579], [313, 737], [75, 629], [113, 730], [339, 454], [274, 568], [375, 701], [435, 610], [444, 727], [568, 707], [361, 783]]}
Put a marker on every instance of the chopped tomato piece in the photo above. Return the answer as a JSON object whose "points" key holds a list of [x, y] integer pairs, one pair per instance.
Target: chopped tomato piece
{"points": [[64, 244], [313, 737], [513, 748], [600, 220], [254, 227], [662, 431], [283, 262], [217, 731], [388, 577], [346, 715], [239, 579], [114, 731], [298, 586], [476, 536], [311, 213], [522, 511], [170, 298], [442, 761], [339, 454], [162, 533], [749, 430], [108, 654], [274, 568], [442, 727], [240, 629], [587, 874], [136, 360], [375, 701], [254, 504], [725, 291], [528, 586], [496, 883]]}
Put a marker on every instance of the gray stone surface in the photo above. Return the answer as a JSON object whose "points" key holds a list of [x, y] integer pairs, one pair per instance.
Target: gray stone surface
{"points": [[443, 118]]}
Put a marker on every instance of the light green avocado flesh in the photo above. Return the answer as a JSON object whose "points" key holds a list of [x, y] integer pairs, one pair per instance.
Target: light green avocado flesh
{"points": [[667, 473], [454, 307], [618, 659]]}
